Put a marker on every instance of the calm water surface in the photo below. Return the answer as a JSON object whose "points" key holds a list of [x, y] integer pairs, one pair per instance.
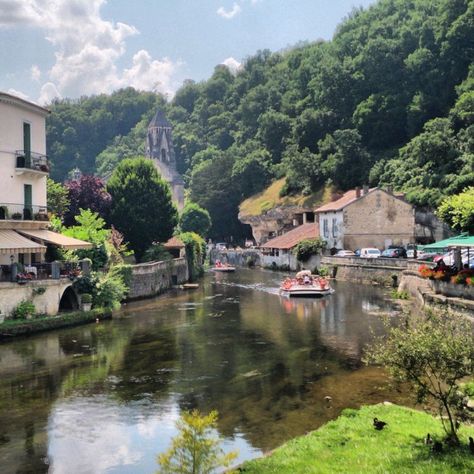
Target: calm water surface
{"points": [[105, 397]]}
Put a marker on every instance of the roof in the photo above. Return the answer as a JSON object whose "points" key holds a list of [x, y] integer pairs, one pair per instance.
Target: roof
{"points": [[294, 237], [159, 120], [13, 99], [174, 243], [13, 243], [57, 239], [462, 240], [347, 198]]}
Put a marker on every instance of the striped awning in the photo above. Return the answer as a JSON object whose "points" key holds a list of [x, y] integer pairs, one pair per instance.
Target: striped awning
{"points": [[13, 243], [56, 239]]}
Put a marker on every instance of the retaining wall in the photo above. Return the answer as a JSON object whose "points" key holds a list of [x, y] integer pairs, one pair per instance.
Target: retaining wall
{"points": [[152, 278], [383, 271]]}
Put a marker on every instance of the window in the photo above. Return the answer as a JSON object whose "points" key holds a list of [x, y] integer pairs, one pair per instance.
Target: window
{"points": [[326, 227], [27, 141], [334, 227]]}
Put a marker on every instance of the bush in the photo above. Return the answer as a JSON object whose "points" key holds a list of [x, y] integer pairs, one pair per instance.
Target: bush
{"points": [[196, 448], [322, 271], [24, 310], [308, 247], [124, 271], [156, 253], [110, 290], [86, 298], [195, 253]]}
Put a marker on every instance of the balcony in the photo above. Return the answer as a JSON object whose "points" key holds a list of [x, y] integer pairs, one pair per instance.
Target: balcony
{"points": [[31, 164], [20, 212]]}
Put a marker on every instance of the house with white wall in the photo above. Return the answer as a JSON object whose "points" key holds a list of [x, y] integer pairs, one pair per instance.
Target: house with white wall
{"points": [[367, 218], [24, 234]]}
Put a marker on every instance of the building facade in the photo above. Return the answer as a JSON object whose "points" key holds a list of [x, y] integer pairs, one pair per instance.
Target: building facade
{"points": [[160, 149], [367, 218], [24, 169]]}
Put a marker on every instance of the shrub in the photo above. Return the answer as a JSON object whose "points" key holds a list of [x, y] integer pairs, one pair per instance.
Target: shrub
{"points": [[322, 271], [195, 253], [86, 298], [307, 248], [109, 291], [399, 295], [156, 253], [196, 448], [24, 310], [124, 271]]}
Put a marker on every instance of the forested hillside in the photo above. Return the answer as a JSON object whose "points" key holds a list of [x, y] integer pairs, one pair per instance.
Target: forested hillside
{"points": [[390, 100]]}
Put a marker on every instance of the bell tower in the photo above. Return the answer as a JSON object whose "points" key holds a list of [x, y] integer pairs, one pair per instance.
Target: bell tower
{"points": [[160, 149]]}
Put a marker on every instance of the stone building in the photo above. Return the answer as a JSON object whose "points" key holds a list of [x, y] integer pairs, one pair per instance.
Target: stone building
{"points": [[159, 148], [367, 218]]}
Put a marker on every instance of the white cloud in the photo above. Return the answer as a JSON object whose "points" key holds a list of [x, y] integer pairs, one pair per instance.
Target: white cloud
{"points": [[228, 14], [18, 94], [48, 92], [87, 49], [232, 64], [35, 73]]}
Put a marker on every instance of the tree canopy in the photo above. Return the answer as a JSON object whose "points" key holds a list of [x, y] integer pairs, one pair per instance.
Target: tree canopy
{"points": [[142, 208], [389, 100]]}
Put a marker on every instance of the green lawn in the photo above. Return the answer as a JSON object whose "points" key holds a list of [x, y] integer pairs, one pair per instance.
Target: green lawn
{"points": [[350, 444]]}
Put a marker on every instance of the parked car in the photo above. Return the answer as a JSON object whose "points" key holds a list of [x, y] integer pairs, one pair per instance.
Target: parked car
{"points": [[394, 252], [411, 250], [345, 253], [370, 253], [221, 246], [357, 252]]}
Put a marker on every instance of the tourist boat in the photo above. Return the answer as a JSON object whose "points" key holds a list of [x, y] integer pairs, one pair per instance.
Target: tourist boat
{"points": [[305, 284], [222, 267]]}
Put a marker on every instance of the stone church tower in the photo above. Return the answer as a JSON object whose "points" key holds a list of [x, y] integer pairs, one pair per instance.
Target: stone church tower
{"points": [[159, 148]]}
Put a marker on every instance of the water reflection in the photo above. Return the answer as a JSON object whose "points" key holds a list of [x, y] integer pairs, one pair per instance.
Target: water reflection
{"points": [[104, 398]]}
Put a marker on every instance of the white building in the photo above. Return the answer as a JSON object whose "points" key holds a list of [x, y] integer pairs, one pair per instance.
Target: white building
{"points": [[24, 170], [24, 234]]}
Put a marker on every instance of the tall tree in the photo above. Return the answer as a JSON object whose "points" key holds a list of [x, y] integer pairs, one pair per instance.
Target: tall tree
{"points": [[142, 208], [195, 219], [88, 192]]}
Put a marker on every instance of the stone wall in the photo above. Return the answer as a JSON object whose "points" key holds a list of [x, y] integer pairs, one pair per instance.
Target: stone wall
{"points": [[378, 220], [152, 278], [383, 271], [11, 294], [255, 258]]}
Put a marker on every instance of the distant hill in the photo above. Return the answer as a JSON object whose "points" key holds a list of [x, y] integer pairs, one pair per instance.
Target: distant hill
{"points": [[389, 101]]}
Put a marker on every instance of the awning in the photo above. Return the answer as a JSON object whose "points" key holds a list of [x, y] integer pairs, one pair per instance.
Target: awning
{"points": [[462, 240], [13, 243], [56, 239]]}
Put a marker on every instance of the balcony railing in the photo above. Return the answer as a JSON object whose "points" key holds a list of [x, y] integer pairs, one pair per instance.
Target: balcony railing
{"points": [[32, 161], [39, 271], [20, 212]]}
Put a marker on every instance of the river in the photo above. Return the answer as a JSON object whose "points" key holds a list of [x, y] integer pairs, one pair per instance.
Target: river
{"points": [[105, 397]]}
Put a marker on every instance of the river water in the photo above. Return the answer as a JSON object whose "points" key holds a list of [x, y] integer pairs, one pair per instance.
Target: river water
{"points": [[105, 397]]}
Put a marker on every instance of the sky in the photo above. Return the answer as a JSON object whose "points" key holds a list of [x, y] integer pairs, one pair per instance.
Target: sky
{"points": [[71, 48]]}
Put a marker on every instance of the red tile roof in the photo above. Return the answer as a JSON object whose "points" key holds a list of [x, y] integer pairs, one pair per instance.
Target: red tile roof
{"points": [[294, 237], [174, 243], [347, 198]]}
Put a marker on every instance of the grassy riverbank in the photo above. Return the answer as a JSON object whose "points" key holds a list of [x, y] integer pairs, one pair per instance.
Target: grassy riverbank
{"points": [[24, 327], [350, 444]]}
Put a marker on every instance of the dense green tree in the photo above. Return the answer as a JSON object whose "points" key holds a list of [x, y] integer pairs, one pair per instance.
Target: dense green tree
{"points": [[195, 219], [458, 211], [58, 200], [142, 208]]}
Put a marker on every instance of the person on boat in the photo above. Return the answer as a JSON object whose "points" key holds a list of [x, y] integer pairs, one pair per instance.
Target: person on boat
{"points": [[307, 280], [218, 264]]}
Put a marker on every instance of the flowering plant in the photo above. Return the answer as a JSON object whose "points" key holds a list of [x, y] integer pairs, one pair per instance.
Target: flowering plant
{"points": [[425, 271]]}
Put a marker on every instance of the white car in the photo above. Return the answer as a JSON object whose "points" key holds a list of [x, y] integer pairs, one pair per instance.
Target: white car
{"points": [[345, 253], [370, 253], [221, 246]]}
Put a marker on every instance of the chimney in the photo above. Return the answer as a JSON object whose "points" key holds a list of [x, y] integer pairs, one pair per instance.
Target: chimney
{"points": [[357, 191], [366, 189]]}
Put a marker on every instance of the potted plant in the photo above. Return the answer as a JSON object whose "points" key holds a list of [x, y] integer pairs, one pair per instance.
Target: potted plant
{"points": [[86, 302]]}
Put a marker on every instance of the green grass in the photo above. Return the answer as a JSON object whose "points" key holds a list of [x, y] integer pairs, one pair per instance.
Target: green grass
{"points": [[350, 444]]}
